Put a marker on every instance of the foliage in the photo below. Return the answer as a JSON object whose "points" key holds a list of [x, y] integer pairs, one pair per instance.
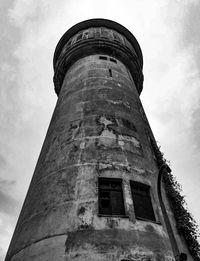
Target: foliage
{"points": [[186, 225]]}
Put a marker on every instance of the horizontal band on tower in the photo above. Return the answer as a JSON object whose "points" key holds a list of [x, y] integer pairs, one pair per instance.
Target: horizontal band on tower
{"points": [[98, 23]]}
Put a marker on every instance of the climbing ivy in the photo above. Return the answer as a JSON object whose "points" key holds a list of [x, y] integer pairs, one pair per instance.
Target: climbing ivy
{"points": [[186, 225]]}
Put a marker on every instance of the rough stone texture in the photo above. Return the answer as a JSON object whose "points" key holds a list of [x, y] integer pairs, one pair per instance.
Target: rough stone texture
{"points": [[98, 129]]}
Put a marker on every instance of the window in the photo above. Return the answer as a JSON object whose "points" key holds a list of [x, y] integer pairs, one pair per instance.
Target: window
{"points": [[111, 197], [142, 201], [110, 72], [103, 57], [113, 60]]}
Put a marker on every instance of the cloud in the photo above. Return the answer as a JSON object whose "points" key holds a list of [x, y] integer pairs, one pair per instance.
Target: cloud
{"points": [[23, 11], [196, 126], [9, 208], [171, 93], [190, 41], [190, 37], [8, 204]]}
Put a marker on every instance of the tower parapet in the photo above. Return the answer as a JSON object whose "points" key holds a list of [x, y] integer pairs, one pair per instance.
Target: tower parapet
{"points": [[98, 36]]}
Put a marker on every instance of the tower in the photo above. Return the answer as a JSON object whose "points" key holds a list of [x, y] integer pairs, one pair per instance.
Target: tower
{"points": [[96, 192]]}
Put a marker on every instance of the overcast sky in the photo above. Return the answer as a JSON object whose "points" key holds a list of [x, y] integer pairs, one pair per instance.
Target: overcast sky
{"points": [[168, 32]]}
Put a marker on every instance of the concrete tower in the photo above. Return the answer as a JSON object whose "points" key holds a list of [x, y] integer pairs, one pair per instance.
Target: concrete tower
{"points": [[96, 193]]}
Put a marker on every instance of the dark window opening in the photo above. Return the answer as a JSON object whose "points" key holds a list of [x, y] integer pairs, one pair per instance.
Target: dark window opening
{"points": [[103, 57], [110, 72], [142, 201], [111, 200], [113, 60]]}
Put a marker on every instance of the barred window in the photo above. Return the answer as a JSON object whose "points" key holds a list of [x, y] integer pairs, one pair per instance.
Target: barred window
{"points": [[111, 200], [142, 201]]}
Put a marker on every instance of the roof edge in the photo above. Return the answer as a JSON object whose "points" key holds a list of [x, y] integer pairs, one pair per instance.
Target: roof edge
{"points": [[99, 22]]}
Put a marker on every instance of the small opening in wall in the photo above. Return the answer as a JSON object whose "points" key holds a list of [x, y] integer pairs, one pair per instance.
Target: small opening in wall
{"points": [[113, 60], [183, 257], [110, 72], [103, 57]]}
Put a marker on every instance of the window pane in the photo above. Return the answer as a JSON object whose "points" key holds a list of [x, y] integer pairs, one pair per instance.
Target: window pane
{"points": [[105, 195], [104, 185], [110, 197], [142, 201], [104, 202], [117, 203]]}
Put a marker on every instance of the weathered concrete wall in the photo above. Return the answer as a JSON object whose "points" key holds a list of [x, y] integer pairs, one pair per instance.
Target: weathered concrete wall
{"points": [[98, 129]]}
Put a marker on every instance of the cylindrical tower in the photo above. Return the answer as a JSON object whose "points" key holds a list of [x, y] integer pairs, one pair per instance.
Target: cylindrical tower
{"points": [[93, 195]]}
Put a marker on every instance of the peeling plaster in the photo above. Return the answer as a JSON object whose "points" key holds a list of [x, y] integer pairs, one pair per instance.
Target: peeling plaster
{"points": [[86, 217], [104, 121], [82, 145], [107, 138], [129, 139], [126, 104]]}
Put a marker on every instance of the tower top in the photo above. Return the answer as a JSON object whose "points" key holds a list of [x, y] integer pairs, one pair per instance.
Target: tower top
{"points": [[123, 46]]}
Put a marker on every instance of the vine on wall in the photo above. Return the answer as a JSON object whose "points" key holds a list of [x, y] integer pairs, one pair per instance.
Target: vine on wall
{"points": [[186, 225]]}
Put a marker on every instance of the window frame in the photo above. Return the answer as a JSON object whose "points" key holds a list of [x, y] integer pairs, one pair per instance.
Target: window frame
{"points": [[117, 180], [152, 217]]}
